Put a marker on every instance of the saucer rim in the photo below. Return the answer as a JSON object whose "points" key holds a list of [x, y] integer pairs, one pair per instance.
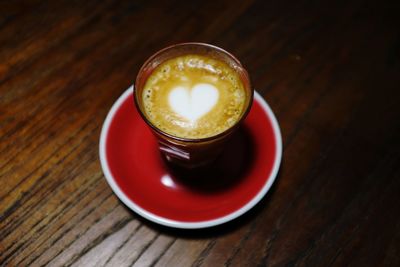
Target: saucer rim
{"points": [[184, 224]]}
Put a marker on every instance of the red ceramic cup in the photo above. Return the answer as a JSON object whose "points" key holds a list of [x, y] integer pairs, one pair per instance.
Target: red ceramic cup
{"points": [[186, 152]]}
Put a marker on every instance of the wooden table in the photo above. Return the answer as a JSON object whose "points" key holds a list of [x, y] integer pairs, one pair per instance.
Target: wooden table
{"points": [[331, 73]]}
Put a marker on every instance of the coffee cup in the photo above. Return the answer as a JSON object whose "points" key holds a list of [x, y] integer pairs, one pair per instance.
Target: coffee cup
{"points": [[193, 96]]}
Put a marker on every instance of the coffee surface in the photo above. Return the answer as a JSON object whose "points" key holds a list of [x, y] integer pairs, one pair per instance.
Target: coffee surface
{"points": [[194, 96]]}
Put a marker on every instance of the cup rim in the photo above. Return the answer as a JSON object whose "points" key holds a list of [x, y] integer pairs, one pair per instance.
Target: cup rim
{"points": [[184, 139]]}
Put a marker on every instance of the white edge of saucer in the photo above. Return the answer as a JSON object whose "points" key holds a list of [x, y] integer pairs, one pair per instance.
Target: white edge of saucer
{"points": [[182, 224]]}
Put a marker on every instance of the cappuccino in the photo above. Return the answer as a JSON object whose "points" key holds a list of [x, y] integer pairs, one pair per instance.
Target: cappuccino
{"points": [[194, 96]]}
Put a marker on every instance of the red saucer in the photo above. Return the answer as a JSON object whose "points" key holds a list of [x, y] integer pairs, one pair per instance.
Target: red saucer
{"points": [[142, 180]]}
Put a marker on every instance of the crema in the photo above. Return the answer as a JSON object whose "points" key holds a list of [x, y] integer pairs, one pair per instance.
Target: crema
{"points": [[194, 96]]}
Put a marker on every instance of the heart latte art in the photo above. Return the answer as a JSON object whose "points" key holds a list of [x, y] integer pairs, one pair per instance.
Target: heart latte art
{"points": [[193, 96], [193, 104]]}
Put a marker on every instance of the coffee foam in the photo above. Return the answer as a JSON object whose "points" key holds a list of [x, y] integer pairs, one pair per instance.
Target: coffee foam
{"points": [[193, 96], [193, 103]]}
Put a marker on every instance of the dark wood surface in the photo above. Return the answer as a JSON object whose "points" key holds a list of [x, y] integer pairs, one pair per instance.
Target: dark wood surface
{"points": [[330, 71]]}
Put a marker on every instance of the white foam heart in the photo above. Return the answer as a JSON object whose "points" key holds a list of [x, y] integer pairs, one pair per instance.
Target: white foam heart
{"points": [[193, 103]]}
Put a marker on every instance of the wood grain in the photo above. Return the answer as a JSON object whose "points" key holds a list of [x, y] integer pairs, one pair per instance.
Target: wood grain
{"points": [[330, 71]]}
